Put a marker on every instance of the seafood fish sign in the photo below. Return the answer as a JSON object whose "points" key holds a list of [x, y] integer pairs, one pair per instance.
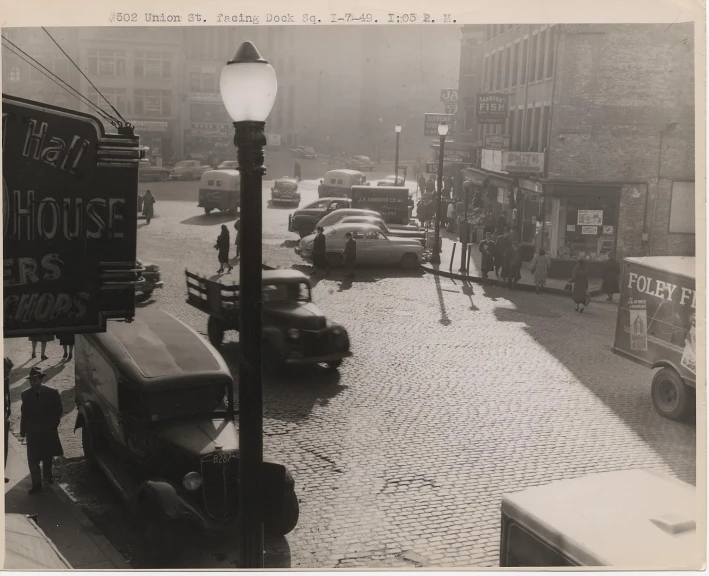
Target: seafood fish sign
{"points": [[69, 220]]}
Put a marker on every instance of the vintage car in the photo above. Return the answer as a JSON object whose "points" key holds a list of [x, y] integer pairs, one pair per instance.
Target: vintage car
{"points": [[295, 331], [220, 190], [373, 246], [228, 165], [149, 280], [285, 191], [188, 170], [360, 163], [156, 411], [419, 235], [627, 520], [338, 183], [334, 217], [304, 152], [146, 171], [304, 220], [391, 180]]}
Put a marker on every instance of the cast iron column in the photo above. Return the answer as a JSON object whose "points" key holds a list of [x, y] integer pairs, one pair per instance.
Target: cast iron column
{"points": [[436, 257], [250, 140]]}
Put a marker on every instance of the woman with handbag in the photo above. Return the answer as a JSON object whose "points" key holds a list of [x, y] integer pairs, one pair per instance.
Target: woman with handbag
{"points": [[540, 269], [222, 246], [579, 280]]}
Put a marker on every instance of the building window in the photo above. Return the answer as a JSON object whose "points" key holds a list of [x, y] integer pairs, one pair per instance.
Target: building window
{"points": [[498, 69], [542, 51], [107, 62], [533, 58], [682, 208], [511, 132], [506, 67], [552, 53], [469, 114], [195, 82], [152, 103], [545, 128], [153, 65], [525, 45], [520, 126], [214, 113], [528, 130], [209, 83], [570, 238], [488, 73], [515, 59], [116, 96], [537, 128]]}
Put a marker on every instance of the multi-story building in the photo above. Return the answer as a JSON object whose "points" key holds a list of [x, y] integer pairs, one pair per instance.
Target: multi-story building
{"points": [[595, 150]]}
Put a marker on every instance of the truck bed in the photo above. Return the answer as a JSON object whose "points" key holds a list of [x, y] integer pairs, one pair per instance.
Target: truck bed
{"points": [[213, 297]]}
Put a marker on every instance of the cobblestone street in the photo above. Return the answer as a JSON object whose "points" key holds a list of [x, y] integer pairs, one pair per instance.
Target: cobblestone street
{"points": [[456, 394]]}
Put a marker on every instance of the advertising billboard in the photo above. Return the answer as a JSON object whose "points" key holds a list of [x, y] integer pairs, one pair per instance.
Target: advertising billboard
{"points": [[431, 122], [70, 216], [492, 108], [390, 201]]}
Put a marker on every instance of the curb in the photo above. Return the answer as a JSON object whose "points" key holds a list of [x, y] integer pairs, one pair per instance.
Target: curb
{"points": [[101, 542], [429, 269]]}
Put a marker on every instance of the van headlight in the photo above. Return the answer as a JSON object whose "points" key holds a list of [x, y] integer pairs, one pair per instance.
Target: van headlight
{"points": [[294, 333], [192, 481]]}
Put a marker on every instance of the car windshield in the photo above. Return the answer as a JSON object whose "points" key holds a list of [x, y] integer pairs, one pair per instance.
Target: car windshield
{"points": [[286, 292], [183, 163], [180, 402]]}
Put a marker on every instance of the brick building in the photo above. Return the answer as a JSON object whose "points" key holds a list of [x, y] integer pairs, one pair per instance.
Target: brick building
{"points": [[596, 150]]}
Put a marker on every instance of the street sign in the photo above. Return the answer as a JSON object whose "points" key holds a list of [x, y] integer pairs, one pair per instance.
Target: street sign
{"points": [[449, 95], [492, 108], [432, 167], [431, 122], [451, 107], [455, 155], [70, 194]]}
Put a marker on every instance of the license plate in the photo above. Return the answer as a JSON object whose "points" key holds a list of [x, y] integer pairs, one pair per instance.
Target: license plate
{"points": [[222, 457]]}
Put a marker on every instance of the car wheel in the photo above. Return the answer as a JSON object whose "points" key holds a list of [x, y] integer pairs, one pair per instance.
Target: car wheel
{"points": [[334, 259], [208, 210], [334, 364], [164, 177], [288, 519], [409, 261], [215, 331], [90, 445], [670, 395]]}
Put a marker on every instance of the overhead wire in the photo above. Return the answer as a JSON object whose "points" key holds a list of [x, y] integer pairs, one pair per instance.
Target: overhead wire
{"points": [[58, 81], [123, 121]]}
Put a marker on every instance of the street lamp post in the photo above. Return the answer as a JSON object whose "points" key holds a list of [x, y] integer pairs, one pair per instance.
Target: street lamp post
{"points": [[436, 256], [248, 88], [397, 129]]}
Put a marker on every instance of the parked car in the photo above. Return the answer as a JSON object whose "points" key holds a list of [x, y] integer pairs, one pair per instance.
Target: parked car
{"points": [[150, 280], [335, 216], [295, 331], [360, 163], [285, 190], [339, 183], [220, 190], [189, 170], [156, 410], [373, 246], [228, 165], [391, 180], [304, 220], [305, 152], [419, 235], [146, 171]]}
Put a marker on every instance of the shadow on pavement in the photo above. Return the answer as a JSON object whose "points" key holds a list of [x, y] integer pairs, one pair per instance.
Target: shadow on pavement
{"points": [[623, 386], [445, 320], [210, 219]]}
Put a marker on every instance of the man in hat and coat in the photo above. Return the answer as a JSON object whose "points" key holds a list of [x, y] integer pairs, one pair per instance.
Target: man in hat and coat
{"points": [[41, 414]]}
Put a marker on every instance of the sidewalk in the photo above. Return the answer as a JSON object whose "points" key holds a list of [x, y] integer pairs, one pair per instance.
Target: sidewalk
{"points": [[61, 520], [449, 240]]}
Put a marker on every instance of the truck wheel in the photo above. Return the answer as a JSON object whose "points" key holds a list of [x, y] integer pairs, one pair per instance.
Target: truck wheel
{"points": [[409, 261], [215, 331], [670, 395], [288, 519], [208, 210], [90, 444]]}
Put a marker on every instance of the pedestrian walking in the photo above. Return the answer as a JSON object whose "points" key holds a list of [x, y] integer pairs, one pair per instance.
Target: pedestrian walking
{"points": [[611, 275], [420, 212], [513, 265], [579, 280], [540, 269], [148, 201], [450, 216], [430, 186], [66, 340], [39, 424], [487, 249], [296, 171], [8, 411], [320, 252], [502, 243], [222, 246], [350, 254], [421, 184], [237, 242], [43, 339]]}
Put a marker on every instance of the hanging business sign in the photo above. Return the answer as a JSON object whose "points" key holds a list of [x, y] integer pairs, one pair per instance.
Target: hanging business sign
{"points": [[590, 218], [497, 141], [69, 220], [449, 95], [432, 121], [523, 162], [492, 108], [451, 107], [455, 155], [491, 160]]}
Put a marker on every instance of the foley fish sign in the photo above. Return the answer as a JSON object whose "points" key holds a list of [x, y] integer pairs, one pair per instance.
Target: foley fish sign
{"points": [[69, 220]]}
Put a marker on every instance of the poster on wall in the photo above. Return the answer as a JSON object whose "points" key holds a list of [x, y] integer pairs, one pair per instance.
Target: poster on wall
{"points": [[593, 230], [590, 218], [608, 230], [571, 228]]}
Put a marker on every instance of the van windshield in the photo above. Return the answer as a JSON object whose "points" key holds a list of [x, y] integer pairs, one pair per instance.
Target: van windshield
{"points": [[180, 402]]}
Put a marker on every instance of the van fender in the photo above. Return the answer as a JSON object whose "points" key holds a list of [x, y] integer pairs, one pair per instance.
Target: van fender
{"points": [[87, 412], [163, 497], [673, 366]]}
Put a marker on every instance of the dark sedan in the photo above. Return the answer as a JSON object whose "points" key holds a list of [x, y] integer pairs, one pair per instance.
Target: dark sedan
{"points": [[147, 171]]}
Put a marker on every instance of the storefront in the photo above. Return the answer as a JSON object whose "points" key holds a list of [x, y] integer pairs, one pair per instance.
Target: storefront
{"points": [[156, 135], [496, 189]]}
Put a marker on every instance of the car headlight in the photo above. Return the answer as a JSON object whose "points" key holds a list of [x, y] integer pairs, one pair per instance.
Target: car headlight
{"points": [[192, 481], [294, 333]]}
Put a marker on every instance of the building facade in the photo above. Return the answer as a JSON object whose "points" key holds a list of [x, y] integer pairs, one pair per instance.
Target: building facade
{"points": [[595, 151]]}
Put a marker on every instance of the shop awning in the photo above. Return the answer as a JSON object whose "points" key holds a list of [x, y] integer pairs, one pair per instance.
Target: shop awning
{"points": [[483, 177]]}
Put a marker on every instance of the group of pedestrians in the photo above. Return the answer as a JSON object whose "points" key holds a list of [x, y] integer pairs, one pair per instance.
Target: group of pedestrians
{"points": [[66, 340], [320, 261], [223, 246]]}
